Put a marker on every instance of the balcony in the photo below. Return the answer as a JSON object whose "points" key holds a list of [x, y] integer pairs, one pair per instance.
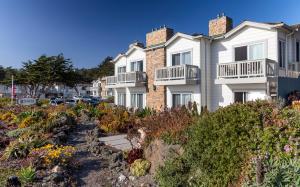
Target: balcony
{"points": [[252, 71], [177, 75], [291, 72], [129, 79]]}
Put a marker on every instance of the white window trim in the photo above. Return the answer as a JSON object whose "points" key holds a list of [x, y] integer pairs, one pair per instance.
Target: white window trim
{"points": [[143, 99], [244, 91], [265, 47], [121, 67], [121, 93], [180, 52], [136, 60], [284, 53], [181, 93]]}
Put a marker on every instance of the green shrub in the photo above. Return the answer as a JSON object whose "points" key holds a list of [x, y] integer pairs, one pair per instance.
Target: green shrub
{"points": [[174, 173], [219, 143], [140, 167], [17, 132], [27, 174]]}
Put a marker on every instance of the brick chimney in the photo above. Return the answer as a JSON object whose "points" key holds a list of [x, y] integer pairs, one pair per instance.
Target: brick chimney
{"points": [[221, 25], [156, 58]]}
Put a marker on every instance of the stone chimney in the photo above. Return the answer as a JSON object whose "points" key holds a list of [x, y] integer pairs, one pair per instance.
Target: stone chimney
{"points": [[156, 58], [221, 25], [158, 36]]}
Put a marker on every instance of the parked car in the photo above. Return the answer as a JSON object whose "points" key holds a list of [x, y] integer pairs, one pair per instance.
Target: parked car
{"points": [[77, 98], [71, 102], [56, 102], [86, 99]]}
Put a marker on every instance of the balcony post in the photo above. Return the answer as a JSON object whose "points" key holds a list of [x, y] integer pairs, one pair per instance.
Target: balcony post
{"points": [[264, 66], [185, 72], [239, 69]]}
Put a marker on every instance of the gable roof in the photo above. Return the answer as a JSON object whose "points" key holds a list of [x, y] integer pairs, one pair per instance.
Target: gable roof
{"points": [[128, 52], [186, 36]]}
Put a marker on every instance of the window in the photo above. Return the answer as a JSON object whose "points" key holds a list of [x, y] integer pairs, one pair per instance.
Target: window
{"points": [[181, 58], [181, 99], [298, 51], [137, 100], [122, 69], [136, 66], [122, 99], [241, 53], [176, 59], [240, 97], [249, 52], [281, 54], [256, 51]]}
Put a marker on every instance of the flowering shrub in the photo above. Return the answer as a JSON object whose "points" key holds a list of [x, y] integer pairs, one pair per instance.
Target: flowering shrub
{"points": [[116, 119], [220, 144], [8, 117], [296, 105], [53, 155], [140, 167]]}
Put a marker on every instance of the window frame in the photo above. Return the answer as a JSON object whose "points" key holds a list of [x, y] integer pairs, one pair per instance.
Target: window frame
{"points": [[122, 102], [181, 98], [119, 67], [135, 66], [181, 56], [283, 57], [135, 105], [265, 50], [245, 96]]}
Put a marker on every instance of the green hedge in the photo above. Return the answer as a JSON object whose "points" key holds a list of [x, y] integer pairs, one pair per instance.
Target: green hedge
{"points": [[220, 144]]}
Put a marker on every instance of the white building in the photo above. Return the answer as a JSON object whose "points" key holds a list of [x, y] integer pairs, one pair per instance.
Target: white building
{"points": [[251, 61], [96, 88]]}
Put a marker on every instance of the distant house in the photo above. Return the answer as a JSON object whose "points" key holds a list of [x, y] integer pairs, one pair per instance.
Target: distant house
{"points": [[252, 61], [99, 89]]}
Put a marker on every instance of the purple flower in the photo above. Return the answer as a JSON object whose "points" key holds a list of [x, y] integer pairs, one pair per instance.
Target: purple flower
{"points": [[287, 148]]}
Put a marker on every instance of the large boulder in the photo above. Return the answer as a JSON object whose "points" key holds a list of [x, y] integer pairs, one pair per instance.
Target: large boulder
{"points": [[158, 152]]}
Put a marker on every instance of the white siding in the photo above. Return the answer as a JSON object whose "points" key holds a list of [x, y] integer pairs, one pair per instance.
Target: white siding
{"points": [[181, 45], [136, 55], [222, 51], [120, 63], [194, 90]]}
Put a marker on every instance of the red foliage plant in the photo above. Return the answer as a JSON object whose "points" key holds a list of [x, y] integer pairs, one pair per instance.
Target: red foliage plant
{"points": [[134, 154]]}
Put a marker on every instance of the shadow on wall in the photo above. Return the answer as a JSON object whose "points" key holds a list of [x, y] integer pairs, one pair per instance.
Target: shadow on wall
{"points": [[287, 85]]}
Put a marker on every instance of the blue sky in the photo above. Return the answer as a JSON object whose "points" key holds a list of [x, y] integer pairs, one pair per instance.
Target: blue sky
{"points": [[89, 30]]}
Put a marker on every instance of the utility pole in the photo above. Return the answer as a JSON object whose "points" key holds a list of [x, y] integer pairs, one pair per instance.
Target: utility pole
{"points": [[12, 90]]}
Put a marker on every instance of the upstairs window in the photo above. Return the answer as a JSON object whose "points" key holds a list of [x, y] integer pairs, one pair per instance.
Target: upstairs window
{"points": [[249, 52], [281, 54], [136, 66], [181, 58], [241, 53], [298, 51], [122, 69]]}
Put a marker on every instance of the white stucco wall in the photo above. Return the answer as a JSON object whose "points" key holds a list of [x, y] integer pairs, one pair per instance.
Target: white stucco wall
{"points": [[184, 45], [222, 51], [136, 55]]}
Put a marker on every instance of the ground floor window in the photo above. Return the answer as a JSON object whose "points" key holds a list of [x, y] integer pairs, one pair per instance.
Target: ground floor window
{"points": [[180, 99], [137, 100], [240, 97], [122, 99]]}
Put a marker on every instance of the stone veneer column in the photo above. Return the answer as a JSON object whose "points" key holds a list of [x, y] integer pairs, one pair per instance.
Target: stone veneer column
{"points": [[156, 58]]}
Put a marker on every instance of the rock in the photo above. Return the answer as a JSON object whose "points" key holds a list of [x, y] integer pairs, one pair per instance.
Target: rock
{"points": [[57, 177], [132, 178], [57, 169], [158, 151], [115, 157], [13, 181], [60, 138], [121, 178]]}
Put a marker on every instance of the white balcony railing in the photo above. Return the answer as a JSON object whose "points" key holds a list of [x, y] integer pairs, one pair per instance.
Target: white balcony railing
{"points": [[247, 69], [129, 77], [182, 72], [132, 77], [111, 80]]}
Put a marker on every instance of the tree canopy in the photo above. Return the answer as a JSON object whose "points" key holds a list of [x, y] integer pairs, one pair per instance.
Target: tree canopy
{"points": [[37, 75]]}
